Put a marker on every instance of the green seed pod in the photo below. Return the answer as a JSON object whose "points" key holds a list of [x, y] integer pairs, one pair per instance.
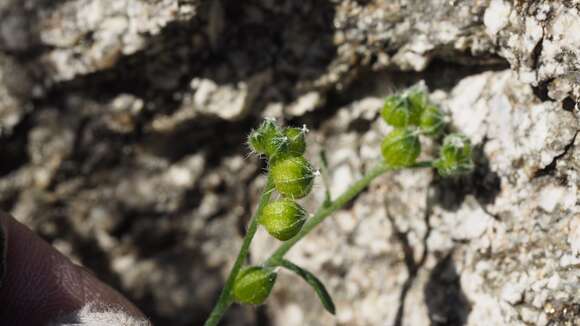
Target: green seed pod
{"points": [[296, 144], [418, 101], [283, 219], [431, 123], [401, 148], [266, 139], [455, 156], [395, 111], [253, 285], [292, 176]]}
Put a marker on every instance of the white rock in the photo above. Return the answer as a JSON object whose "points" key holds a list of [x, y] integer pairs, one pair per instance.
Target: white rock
{"points": [[305, 103], [574, 235], [569, 260], [470, 221], [554, 282], [550, 197], [496, 17], [512, 293]]}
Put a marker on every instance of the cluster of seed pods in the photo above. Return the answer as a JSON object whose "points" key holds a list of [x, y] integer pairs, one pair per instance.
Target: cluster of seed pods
{"points": [[292, 176], [412, 115]]}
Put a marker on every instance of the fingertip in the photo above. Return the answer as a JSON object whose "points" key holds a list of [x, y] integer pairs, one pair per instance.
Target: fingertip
{"points": [[41, 284]]}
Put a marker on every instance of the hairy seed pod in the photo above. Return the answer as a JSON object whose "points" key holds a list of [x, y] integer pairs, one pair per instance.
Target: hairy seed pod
{"points": [[418, 101], [266, 139], [399, 112], [253, 285], [283, 219], [455, 156], [401, 147], [296, 144], [432, 121], [292, 176]]}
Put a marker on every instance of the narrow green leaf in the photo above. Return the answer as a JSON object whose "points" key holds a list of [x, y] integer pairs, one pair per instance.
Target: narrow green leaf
{"points": [[314, 282]]}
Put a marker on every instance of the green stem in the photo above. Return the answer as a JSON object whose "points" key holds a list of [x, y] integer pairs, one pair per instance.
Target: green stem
{"points": [[325, 211], [225, 299], [276, 258]]}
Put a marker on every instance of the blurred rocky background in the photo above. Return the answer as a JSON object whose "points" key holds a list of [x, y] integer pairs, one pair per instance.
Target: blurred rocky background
{"points": [[122, 130]]}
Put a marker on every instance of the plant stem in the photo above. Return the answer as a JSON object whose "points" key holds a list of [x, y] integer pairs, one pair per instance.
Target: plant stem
{"points": [[225, 299], [325, 211]]}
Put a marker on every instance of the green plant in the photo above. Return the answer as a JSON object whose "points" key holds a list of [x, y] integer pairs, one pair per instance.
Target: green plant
{"points": [[291, 175], [296, 141], [431, 122], [283, 218], [455, 156], [265, 139], [399, 112], [253, 285], [401, 147]]}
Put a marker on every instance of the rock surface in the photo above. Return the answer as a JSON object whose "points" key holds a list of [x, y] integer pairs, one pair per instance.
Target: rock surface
{"points": [[122, 130]]}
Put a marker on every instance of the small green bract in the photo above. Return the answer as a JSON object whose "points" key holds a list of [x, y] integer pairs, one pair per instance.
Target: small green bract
{"points": [[253, 285], [455, 156], [401, 148], [292, 176], [283, 219]]}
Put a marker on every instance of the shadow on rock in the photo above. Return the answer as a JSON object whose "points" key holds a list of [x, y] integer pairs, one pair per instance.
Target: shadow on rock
{"points": [[445, 300]]}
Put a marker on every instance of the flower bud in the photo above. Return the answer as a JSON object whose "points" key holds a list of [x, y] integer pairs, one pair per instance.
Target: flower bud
{"points": [[401, 148], [455, 156], [253, 285], [265, 139], [283, 219], [432, 122], [400, 111], [292, 176], [295, 142]]}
